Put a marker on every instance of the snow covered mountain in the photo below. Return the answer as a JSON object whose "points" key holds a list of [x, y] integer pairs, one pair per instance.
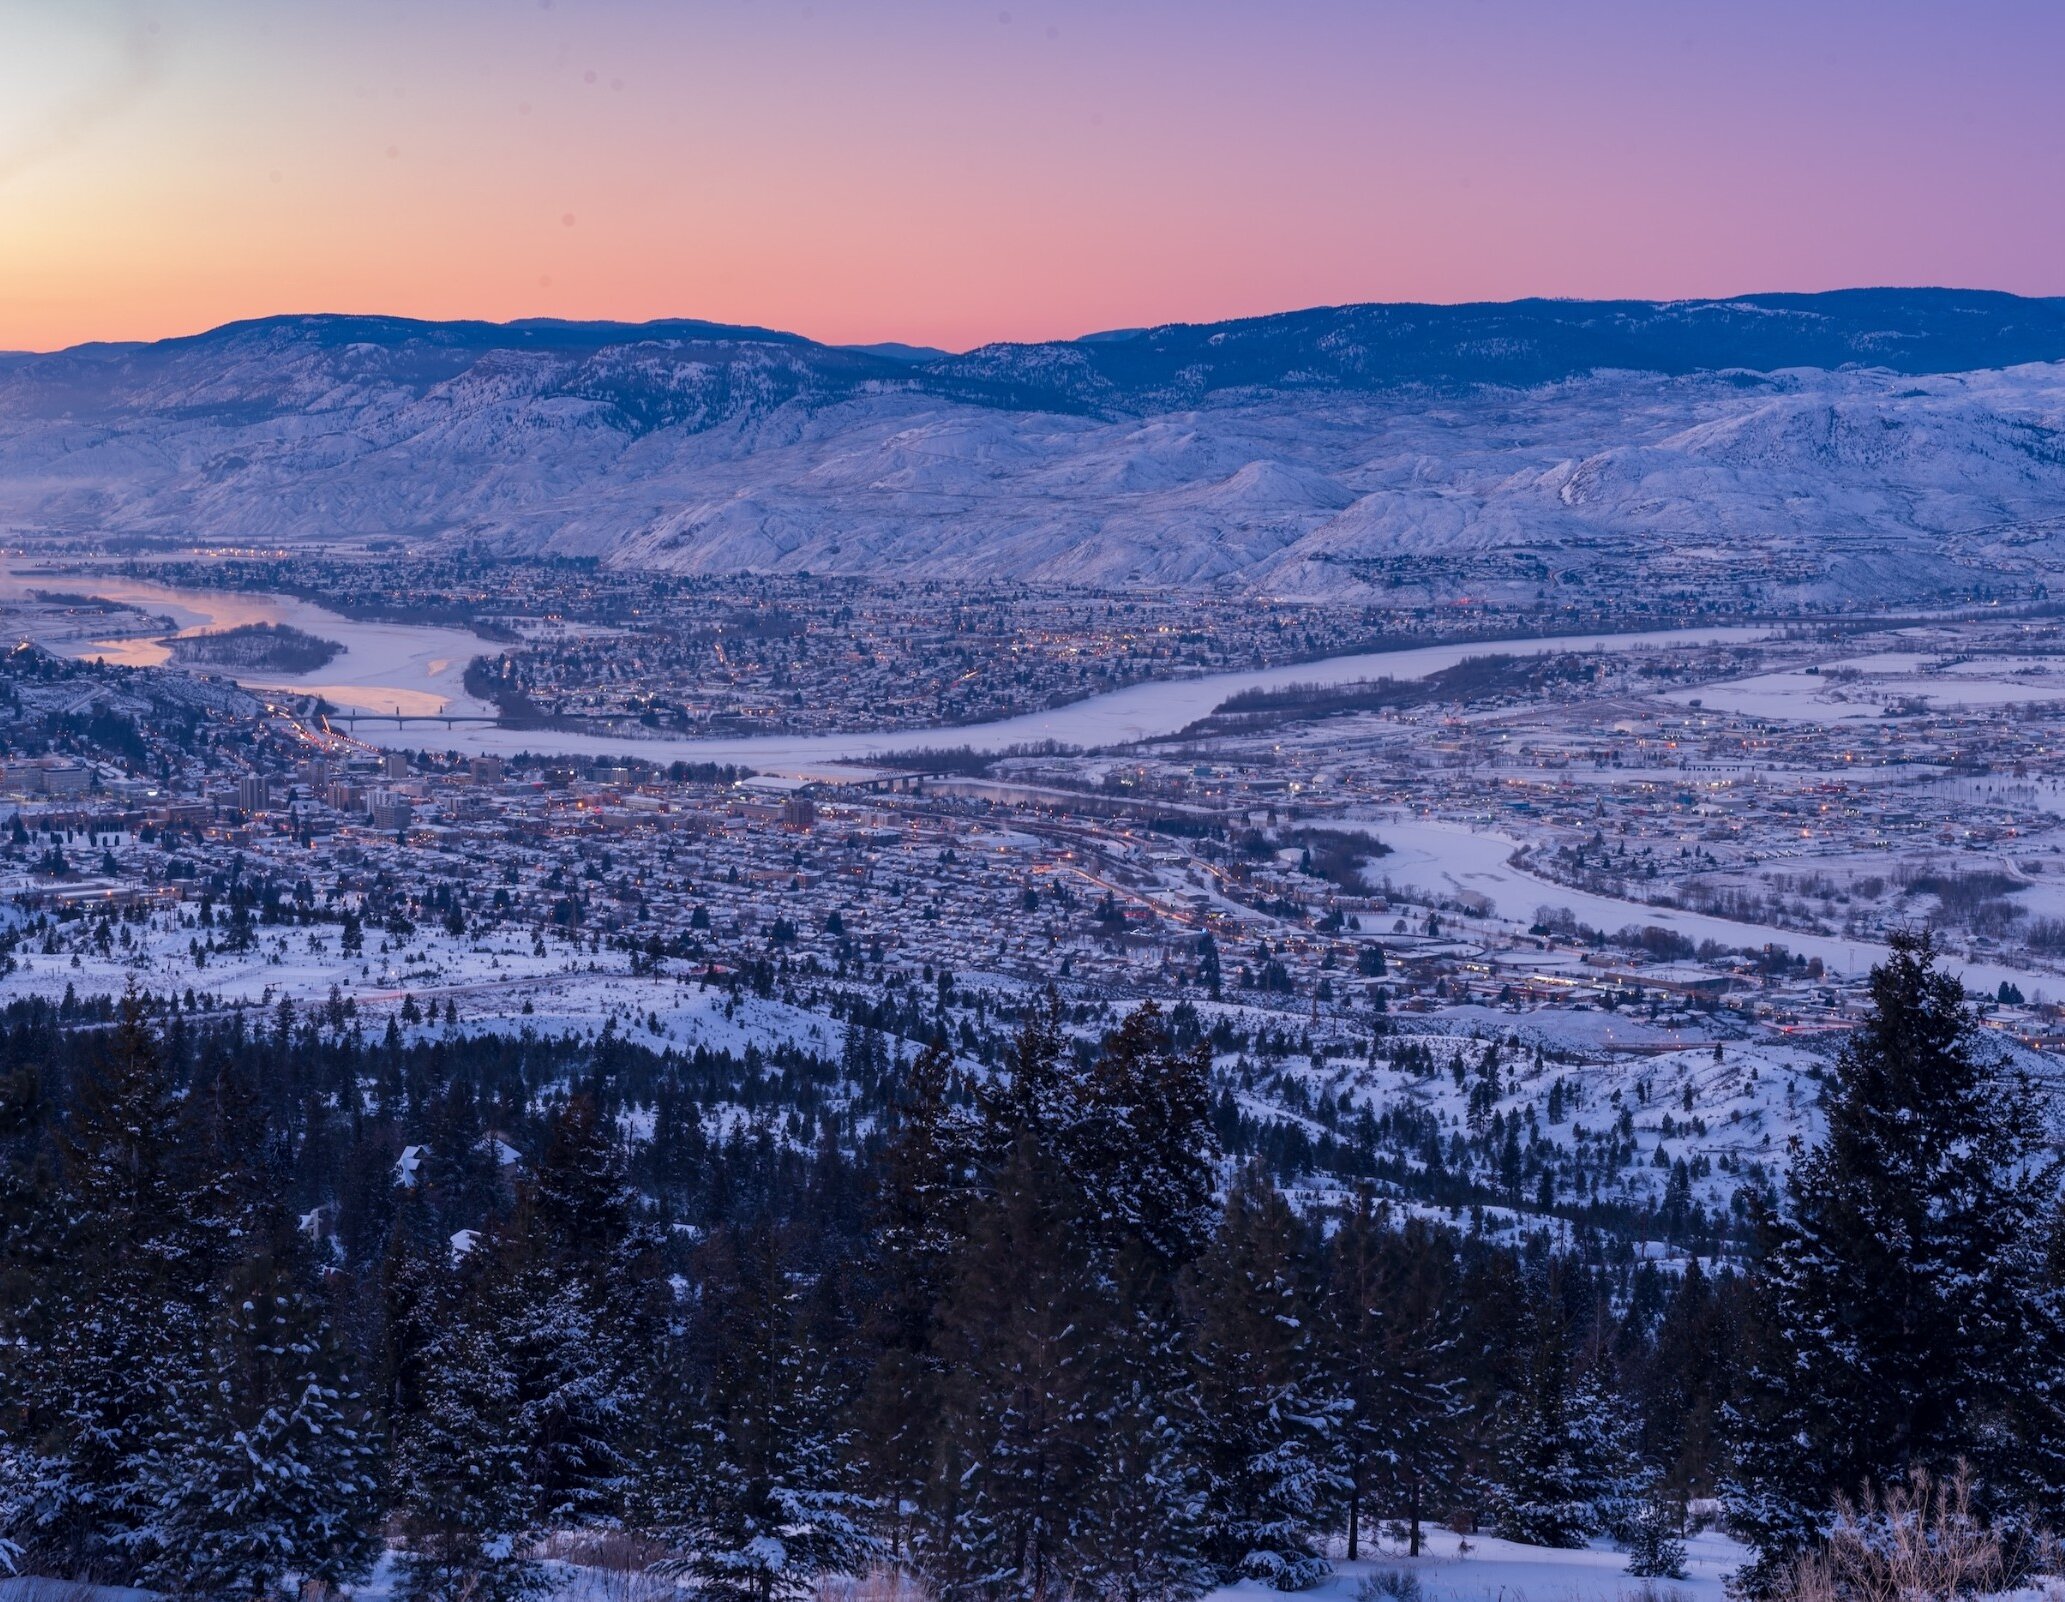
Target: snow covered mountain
{"points": [[1870, 444]]}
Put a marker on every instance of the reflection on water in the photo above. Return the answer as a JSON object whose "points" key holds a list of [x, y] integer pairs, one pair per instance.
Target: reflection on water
{"points": [[387, 668]]}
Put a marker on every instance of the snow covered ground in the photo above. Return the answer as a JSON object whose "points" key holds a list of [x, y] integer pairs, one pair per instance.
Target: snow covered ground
{"points": [[1480, 1568], [1866, 687], [1301, 478], [1454, 859]]}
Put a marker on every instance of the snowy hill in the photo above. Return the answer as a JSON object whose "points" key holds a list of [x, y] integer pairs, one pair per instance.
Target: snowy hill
{"points": [[1861, 445]]}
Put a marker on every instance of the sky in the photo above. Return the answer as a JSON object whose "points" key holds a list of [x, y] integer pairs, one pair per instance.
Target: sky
{"points": [[946, 172]]}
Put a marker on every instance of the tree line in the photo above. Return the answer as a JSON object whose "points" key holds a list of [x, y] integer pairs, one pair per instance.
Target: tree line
{"points": [[275, 1300]]}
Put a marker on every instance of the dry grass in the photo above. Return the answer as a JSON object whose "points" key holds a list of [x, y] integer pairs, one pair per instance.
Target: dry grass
{"points": [[1919, 1542], [616, 1565], [884, 1584]]}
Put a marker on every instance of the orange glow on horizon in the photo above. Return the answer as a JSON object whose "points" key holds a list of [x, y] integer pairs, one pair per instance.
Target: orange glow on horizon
{"points": [[950, 173]]}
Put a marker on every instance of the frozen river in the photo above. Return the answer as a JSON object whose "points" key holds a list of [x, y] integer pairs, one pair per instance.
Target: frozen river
{"points": [[416, 670], [384, 667], [419, 670], [1141, 712]]}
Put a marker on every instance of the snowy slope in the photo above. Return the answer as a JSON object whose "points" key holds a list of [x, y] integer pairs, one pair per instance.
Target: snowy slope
{"points": [[1801, 447]]}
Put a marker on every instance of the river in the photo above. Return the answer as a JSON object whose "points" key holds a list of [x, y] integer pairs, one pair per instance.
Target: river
{"points": [[384, 667], [1140, 712], [419, 670]]}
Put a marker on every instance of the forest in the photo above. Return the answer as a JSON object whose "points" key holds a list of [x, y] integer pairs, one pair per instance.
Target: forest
{"points": [[279, 1296]]}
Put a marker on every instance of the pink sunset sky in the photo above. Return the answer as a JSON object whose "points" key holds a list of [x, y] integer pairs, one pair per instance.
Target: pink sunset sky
{"points": [[950, 173]]}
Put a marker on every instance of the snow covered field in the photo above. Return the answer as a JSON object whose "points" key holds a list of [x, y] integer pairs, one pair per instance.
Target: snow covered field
{"points": [[1480, 1568], [1866, 687], [1451, 858], [1483, 1568]]}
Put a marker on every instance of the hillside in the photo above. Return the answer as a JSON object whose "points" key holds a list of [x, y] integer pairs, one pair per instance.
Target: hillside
{"points": [[1860, 445]]}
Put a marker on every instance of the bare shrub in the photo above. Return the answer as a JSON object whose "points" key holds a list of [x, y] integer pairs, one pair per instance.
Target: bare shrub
{"points": [[615, 1564], [1390, 1585], [884, 1584], [1919, 1542]]}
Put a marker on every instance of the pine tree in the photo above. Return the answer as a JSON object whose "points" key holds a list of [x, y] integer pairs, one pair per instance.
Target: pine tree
{"points": [[462, 1468], [755, 1501], [1907, 1317], [919, 1225], [575, 1317], [1145, 1147], [1542, 1493], [1686, 1375], [1392, 1353], [282, 1476], [1017, 1420], [1267, 1421], [1611, 1476], [31, 1228], [512, 1383], [415, 1280], [1656, 1535], [1145, 1170], [1041, 1093], [1138, 1529], [105, 1402], [29, 1217]]}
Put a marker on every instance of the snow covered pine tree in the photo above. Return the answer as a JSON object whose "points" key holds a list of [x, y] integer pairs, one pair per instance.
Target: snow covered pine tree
{"points": [[1907, 1313]]}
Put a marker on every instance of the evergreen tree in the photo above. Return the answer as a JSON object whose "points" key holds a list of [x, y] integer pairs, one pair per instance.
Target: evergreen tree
{"points": [[462, 1467], [282, 1477], [1017, 1416], [414, 1284], [1146, 1172], [1138, 1530], [1267, 1421], [513, 1381], [575, 1317], [30, 1219], [1542, 1493], [919, 1225], [103, 1405], [1145, 1148], [1907, 1316], [1684, 1375], [1041, 1093], [1656, 1535], [756, 1502], [1611, 1476], [1392, 1353]]}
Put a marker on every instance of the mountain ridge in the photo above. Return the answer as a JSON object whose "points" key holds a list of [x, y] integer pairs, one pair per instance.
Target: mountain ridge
{"points": [[1842, 445]]}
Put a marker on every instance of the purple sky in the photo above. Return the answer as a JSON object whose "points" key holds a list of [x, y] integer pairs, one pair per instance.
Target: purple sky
{"points": [[951, 173]]}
